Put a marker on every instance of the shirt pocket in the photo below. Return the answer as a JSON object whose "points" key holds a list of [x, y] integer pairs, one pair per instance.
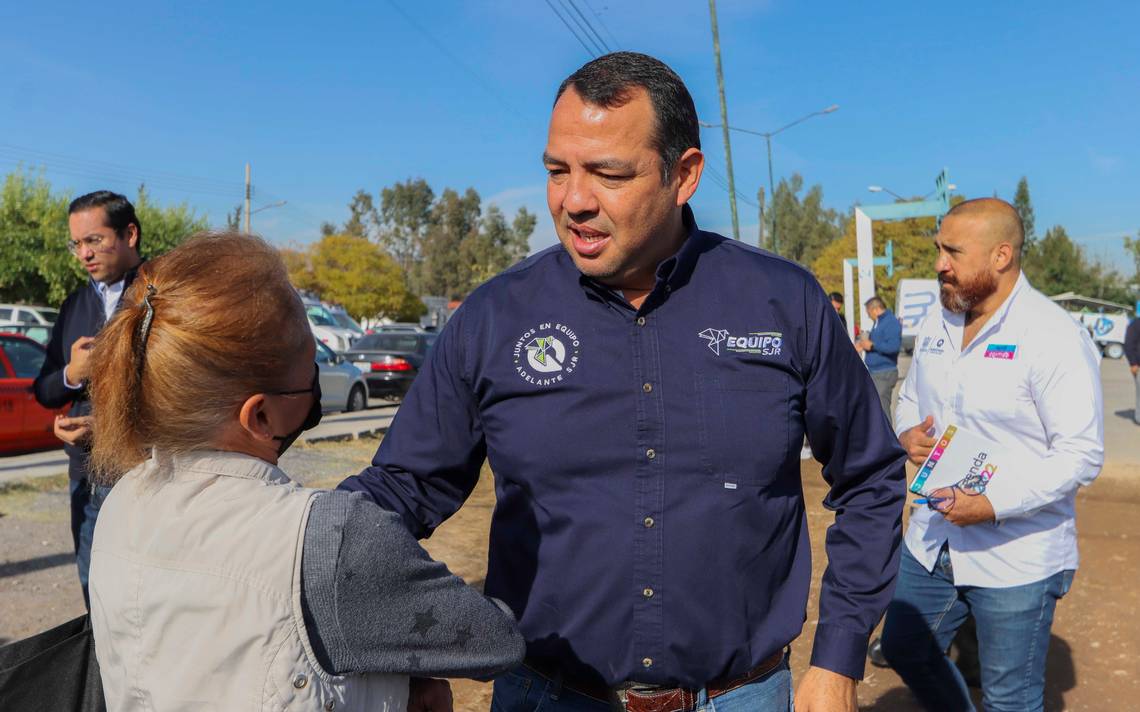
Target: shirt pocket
{"points": [[743, 426]]}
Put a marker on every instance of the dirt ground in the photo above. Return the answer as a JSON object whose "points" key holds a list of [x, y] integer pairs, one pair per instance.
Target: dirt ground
{"points": [[1092, 658]]}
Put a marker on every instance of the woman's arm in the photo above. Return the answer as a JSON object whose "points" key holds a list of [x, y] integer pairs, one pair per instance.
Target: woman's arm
{"points": [[374, 601]]}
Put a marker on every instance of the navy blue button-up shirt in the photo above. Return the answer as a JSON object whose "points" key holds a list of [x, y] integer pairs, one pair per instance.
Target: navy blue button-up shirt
{"points": [[650, 520]]}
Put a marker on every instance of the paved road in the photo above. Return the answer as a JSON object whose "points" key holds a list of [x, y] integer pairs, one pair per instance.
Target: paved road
{"points": [[334, 426], [1121, 434]]}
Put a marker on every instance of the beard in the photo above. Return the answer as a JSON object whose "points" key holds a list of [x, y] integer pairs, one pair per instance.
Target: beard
{"points": [[962, 295]]}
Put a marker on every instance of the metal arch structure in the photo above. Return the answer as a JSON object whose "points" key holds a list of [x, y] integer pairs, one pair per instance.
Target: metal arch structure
{"points": [[936, 207]]}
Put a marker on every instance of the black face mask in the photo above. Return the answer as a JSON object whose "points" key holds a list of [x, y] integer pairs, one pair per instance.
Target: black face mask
{"points": [[311, 420]]}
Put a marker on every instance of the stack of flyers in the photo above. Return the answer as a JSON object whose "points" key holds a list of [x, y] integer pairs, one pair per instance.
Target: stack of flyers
{"points": [[959, 459]]}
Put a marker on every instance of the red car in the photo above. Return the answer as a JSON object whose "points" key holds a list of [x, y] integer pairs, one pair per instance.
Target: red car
{"points": [[24, 423]]}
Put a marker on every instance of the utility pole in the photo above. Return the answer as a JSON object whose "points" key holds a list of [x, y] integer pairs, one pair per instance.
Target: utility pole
{"points": [[724, 121], [760, 197], [247, 196]]}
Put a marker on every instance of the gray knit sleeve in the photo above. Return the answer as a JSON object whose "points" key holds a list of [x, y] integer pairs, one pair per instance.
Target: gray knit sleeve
{"points": [[374, 601]]}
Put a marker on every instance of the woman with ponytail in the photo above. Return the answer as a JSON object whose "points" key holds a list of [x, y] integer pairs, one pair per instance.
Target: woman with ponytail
{"points": [[216, 582]]}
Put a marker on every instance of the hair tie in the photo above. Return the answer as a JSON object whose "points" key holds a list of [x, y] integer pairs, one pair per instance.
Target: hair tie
{"points": [[144, 328]]}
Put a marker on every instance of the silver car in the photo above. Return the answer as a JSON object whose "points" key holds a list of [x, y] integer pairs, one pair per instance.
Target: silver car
{"points": [[342, 384]]}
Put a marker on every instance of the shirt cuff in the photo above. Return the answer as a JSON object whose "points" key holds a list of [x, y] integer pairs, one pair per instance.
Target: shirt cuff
{"points": [[1006, 501], [63, 375], [840, 650]]}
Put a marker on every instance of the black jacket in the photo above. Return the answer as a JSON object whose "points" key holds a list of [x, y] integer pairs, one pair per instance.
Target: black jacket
{"points": [[80, 315], [1132, 342]]}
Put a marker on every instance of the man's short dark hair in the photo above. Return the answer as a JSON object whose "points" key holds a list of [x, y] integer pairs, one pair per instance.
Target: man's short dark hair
{"points": [[119, 211], [875, 301], [608, 81], [836, 297]]}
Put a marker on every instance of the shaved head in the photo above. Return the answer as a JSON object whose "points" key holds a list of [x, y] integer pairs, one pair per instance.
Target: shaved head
{"points": [[994, 222]]}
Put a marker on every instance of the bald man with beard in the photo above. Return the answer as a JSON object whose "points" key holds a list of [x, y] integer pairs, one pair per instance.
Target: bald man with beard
{"points": [[1002, 361]]}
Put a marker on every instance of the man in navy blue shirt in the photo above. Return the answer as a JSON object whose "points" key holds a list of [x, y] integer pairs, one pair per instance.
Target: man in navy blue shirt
{"points": [[641, 393], [882, 348]]}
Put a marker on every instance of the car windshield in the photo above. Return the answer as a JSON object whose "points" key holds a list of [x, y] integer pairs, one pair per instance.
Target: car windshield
{"points": [[319, 316], [388, 342], [26, 357], [346, 321]]}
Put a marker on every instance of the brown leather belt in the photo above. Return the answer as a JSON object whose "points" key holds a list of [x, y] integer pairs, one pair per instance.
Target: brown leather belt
{"points": [[676, 699]]}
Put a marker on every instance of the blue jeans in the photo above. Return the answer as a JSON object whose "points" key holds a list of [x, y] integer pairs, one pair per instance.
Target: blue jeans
{"points": [[524, 690], [85, 503], [1013, 636]]}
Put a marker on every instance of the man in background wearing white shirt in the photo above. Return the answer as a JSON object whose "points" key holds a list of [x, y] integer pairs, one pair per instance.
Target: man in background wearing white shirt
{"points": [[1002, 361], [105, 239]]}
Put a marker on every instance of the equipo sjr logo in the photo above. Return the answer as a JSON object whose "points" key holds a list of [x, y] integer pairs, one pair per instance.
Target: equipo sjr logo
{"points": [[760, 343], [546, 354]]}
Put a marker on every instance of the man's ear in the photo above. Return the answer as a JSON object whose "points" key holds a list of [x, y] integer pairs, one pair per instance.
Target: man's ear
{"points": [[253, 418], [688, 172], [133, 236], [1003, 256]]}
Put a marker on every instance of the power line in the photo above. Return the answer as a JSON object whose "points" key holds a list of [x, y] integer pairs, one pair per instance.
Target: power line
{"points": [[91, 174], [719, 179], [487, 86], [87, 164], [601, 22], [586, 27], [568, 27]]}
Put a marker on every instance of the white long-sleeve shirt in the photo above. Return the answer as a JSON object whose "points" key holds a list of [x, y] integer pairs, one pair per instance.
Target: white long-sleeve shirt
{"points": [[1029, 381]]}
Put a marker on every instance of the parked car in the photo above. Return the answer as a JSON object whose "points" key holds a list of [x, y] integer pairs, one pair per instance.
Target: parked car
{"points": [[1105, 321], [32, 321], [345, 321], [325, 326], [342, 384], [24, 423], [390, 361], [400, 328]]}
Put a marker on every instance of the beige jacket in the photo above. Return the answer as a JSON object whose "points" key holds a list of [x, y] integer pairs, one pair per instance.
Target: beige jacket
{"points": [[196, 594]]}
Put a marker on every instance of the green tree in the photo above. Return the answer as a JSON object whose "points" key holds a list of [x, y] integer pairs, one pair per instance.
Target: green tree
{"points": [[405, 218], [1024, 208], [35, 265], [1056, 264], [802, 226], [1132, 247], [233, 219], [299, 264], [358, 274], [447, 267], [912, 245], [362, 215]]}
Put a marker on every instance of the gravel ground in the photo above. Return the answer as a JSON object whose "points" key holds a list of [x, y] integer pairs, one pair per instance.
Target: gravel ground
{"points": [[1091, 663]]}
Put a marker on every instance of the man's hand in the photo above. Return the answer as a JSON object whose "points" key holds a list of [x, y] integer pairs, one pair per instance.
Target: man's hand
{"points": [[79, 368], [1134, 368], [72, 430], [919, 440], [860, 345], [825, 691], [428, 694], [963, 508]]}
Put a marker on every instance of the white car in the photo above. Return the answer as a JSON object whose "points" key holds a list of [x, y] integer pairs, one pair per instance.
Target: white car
{"points": [[32, 321], [1106, 321], [326, 328]]}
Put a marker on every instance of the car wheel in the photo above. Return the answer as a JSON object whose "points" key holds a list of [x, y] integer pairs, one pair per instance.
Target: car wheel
{"points": [[356, 400], [1114, 350]]}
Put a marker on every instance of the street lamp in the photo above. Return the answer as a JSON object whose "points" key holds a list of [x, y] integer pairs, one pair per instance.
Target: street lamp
{"points": [[768, 140]]}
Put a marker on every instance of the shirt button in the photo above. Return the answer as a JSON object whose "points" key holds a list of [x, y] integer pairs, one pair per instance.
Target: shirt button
{"points": [[651, 453], [647, 662], [647, 387], [647, 592], [641, 321], [648, 522], [300, 681]]}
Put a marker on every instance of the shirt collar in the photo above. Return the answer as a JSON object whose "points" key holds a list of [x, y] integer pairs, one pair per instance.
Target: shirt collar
{"points": [[956, 322]]}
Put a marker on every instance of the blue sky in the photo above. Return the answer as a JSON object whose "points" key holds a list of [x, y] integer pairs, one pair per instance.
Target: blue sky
{"points": [[326, 98]]}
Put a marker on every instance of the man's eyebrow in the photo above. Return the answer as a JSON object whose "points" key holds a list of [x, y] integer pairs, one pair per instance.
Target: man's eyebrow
{"points": [[547, 158], [610, 164]]}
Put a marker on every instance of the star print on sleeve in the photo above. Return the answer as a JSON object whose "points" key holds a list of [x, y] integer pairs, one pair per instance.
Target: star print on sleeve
{"points": [[424, 622]]}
